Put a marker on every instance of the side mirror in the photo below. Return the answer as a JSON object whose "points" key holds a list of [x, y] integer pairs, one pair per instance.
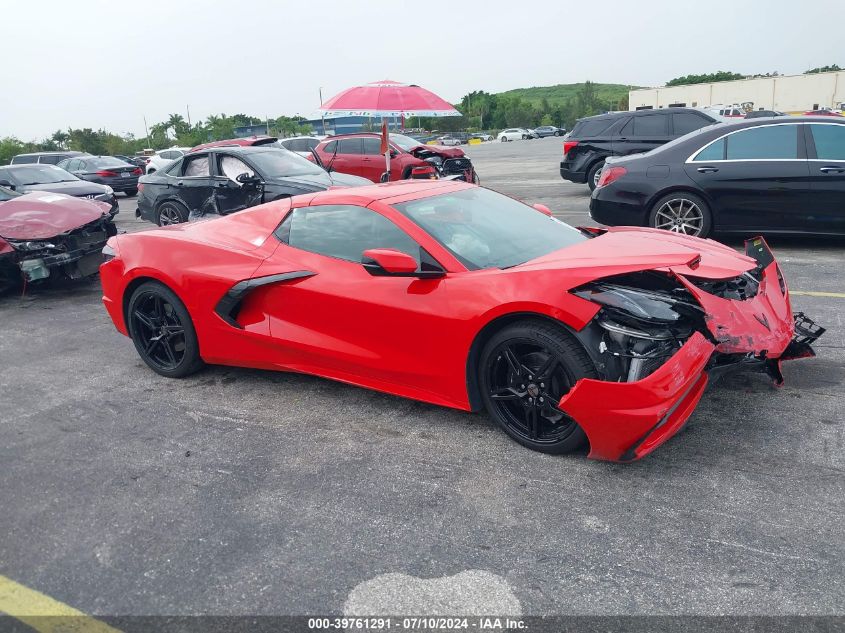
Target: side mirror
{"points": [[7, 184], [246, 179], [388, 262], [394, 153], [543, 209]]}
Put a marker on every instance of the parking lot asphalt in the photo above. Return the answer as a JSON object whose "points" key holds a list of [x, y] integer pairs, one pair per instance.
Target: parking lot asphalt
{"points": [[248, 492]]}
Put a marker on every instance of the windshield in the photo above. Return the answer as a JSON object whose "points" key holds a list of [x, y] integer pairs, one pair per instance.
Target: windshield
{"points": [[279, 163], [405, 142], [485, 229], [7, 194], [42, 175]]}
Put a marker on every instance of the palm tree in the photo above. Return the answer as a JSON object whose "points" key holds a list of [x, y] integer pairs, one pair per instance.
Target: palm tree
{"points": [[60, 138], [176, 123]]}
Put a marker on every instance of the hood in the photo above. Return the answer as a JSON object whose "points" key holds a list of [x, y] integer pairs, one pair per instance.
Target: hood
{"points": [[72, 188], [630, 249], [438, 150], [348, 180], [36, 216]]}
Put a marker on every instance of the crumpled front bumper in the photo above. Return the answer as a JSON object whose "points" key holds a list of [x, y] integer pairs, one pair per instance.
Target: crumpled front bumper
{"points": [[625, 421]]}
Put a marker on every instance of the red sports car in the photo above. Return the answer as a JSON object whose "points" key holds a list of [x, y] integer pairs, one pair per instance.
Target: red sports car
{"points": [[453, 294]]}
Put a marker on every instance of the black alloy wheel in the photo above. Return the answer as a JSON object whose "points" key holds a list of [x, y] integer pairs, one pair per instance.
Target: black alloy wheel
{"points": [[525, 370], [162, 331]]}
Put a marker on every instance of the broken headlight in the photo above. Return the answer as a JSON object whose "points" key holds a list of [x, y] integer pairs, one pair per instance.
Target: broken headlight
{"points": [[31, 245], [643, 305]]}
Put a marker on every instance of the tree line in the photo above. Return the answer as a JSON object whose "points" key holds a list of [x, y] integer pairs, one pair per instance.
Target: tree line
{"points": [[174, 131]]}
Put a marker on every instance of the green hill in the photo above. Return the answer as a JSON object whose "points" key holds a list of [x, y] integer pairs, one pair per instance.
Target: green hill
{"points": [[559, 94]]}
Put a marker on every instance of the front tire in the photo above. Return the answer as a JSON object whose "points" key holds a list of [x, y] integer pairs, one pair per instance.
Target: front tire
{"points": [[683, 213], [171, 212], [594, 174], [557, 133], [504, 139], [524, 370], [162, 331]]}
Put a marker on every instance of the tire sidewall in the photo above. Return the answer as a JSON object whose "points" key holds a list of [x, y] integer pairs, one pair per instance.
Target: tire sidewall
{"points": [[192, 360], [707, 217]]}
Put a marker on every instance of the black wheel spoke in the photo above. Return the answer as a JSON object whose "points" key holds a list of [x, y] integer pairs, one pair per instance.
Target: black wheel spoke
{"points": [[546, 369], [506, 393], [153, 343], [169, 352], [533, 419], [145, 320], [513, 361]]}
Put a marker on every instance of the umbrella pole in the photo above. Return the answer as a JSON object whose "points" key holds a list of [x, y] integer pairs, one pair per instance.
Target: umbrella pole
{"points": [[385, 130]]}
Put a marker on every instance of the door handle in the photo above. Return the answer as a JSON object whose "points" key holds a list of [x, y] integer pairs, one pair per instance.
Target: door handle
{"points": [[708, 170], [832, 170], [180, 183]]}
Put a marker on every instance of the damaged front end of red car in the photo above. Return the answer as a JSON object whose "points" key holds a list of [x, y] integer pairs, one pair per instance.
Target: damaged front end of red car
{"points": [[661, 335]]}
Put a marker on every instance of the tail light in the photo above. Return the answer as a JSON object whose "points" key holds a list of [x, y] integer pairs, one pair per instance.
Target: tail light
{"points": [[137, 171], [105, 173], [140, 186], [568, 145], [609, 174]]}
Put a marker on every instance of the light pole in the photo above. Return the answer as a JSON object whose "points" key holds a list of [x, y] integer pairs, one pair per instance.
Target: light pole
{"points": [[322, 114]]}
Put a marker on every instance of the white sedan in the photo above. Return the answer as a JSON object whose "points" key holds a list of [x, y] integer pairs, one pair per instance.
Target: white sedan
{"points": [[163, 158], [513, 134]]}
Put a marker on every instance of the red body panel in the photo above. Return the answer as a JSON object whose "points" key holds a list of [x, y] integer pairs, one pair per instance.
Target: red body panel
{"points": [[617, 415], [412, 337]]}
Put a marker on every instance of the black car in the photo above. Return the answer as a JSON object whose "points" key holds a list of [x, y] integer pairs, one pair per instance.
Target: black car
{"points": [[222, 180], [549, 130], [44, 177], [757, 114], [777, 175], [105, 170], [138, 161], [596, 138]]}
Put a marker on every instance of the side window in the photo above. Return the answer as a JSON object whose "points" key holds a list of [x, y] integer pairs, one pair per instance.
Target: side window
{"points": [[351, 146], [21, 160], [628, 128], [195, 166], [232, 167], [372, 146], [714, 151], [830, 141], [344, 232], [651, 125], [762, 143], [51, 160], [329, 148], [686, 122]]}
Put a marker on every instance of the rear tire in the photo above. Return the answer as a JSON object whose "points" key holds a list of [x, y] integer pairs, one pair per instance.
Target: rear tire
{"points": [[504, 139], [524, 370], [557, 133], [594, 174], [171, 212], [682, 212], [162, 331]]}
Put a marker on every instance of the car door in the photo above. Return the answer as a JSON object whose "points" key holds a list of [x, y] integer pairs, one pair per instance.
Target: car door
{"points": [[340, 320], [756, 178], [372, 162], [346, 156], [642, 134], [229, 194], [826, 161], [193, 184]]}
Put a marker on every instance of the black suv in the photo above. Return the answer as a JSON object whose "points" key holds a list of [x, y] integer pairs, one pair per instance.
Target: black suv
{"points": [[595, 138]]}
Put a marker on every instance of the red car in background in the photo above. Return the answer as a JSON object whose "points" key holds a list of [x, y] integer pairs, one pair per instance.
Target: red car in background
{"points": [[456, 295], [358, 154], [249, 141], [47, 235]]}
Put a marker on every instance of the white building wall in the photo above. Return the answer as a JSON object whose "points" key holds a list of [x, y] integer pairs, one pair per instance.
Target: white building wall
{"points": [[793, 93]]}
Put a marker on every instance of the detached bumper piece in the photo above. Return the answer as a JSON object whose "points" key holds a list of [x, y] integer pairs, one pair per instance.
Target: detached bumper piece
{"points": [[806, 333], [625, 421]]}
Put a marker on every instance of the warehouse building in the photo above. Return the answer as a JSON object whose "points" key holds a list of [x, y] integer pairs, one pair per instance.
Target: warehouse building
{"points": [[794, 94]]}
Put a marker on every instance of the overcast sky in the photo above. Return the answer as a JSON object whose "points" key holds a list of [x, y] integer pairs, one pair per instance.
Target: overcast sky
{"points": [[110, 63]]}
